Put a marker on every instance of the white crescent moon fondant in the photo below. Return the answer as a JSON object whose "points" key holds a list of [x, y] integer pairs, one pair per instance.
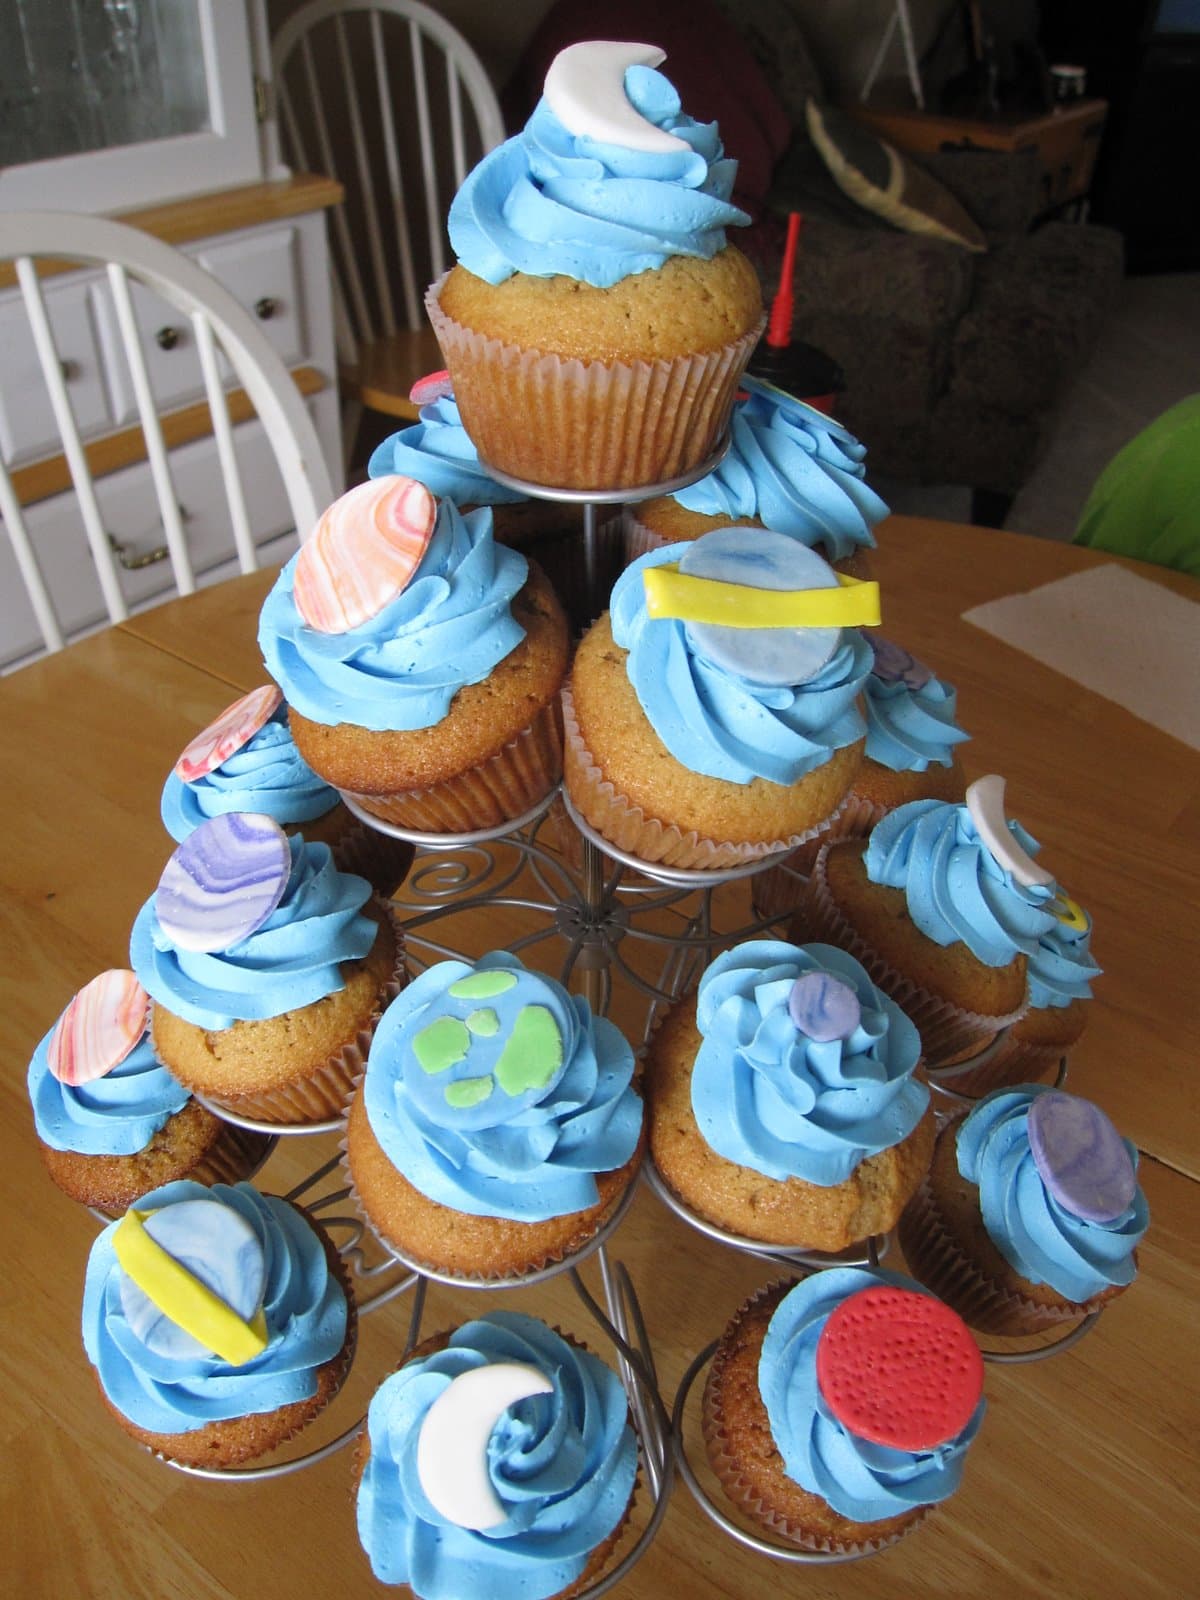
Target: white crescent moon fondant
{"points": [[985, 802], [452, 1444], [585, 89]]}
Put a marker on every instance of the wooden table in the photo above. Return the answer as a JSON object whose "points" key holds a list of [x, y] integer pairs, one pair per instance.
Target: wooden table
{"points": [[1084, 1479]]}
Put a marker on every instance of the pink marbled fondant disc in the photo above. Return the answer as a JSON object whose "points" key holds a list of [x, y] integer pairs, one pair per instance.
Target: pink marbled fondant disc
{"points": [[1081, 1157], [363, 552], [223, 881], [227, 733], [433, 386], [99, 1028]]}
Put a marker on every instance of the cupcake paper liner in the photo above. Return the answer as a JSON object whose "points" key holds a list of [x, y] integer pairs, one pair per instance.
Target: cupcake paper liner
{"points": [[745, 1496], [936, 1259], [383, 861], [599, 425], [627, 826], [1006, 1062], [236, 1156], [779, 889], [326, 1092], [639, 540], [947, 1031], [504, 786]]}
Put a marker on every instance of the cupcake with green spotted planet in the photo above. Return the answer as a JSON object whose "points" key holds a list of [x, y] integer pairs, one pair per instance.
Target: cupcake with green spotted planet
{"points": [[497, 1127]]}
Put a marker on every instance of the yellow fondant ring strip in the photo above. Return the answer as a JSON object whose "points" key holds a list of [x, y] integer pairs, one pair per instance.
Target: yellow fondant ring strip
{"points": [[190, 1304], [1069, 912], [678, 596]]}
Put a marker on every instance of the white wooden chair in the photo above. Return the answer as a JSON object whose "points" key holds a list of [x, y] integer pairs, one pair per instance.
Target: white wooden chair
{"points": [[239, 373], [375, 93]]}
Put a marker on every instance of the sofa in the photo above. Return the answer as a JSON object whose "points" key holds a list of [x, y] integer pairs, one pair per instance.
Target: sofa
{"points": [[954, 361]]}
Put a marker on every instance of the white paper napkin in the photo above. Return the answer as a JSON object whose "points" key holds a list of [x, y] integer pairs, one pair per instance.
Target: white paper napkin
{"points": [[1121, 635]]}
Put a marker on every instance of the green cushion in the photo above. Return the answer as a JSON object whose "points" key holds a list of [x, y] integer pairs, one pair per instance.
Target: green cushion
{"points": [[1146, 502], [882, 180]]}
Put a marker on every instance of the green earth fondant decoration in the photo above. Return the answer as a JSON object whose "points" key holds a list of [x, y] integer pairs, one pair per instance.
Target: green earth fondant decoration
{"points": [[443, 1043], [533, 1054], [484, 1023], [482, 985], [464, 1093]]}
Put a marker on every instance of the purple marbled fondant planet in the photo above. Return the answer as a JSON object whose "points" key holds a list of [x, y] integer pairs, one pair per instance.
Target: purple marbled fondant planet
{"points": [[1081, 1157], [895, 664], [823, 1007], [223, 881]]}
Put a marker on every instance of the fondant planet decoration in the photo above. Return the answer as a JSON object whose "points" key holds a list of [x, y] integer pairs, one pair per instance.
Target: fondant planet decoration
{"points": [[895, 664], [192, 1282], [223, 881], [363, 552], [235, 727], [1069, 912], [432, 387], [758, 604], [529, 1058], [452, 1445], [1081, 1157], [823, 1007], [899, 1368], [99, 1028], [985, 802], [585, 89]]}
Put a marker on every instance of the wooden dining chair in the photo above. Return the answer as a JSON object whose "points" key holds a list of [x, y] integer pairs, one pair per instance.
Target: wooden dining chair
{"points": [[387, 97], [79, 353]]}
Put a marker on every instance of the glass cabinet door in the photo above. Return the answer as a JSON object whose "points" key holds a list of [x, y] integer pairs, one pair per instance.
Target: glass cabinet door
{"points": [[109, 104]]}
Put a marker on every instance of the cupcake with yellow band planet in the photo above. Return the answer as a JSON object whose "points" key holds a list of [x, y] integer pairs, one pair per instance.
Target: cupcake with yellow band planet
{"points": [[497, 1127], [421, 661], [111, 1122], [789, 468], [218, 1322], [499, 1459], [268, 969], [712, 716], [597, 322]]}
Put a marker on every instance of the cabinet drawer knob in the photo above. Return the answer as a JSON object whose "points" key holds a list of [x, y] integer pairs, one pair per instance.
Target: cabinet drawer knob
{"points": [[70, 370], [167, 338], [266, 308]]}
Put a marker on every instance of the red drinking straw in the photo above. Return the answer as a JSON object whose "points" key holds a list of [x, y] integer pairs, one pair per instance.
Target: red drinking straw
{"points": [[779, 327]]}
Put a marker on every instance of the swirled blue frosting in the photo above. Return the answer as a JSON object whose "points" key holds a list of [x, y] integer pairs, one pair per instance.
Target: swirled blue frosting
{"points": [[293, 959], [303, 1303], [268, 775], [468, 1135], [723, 725], [910, 730], [400, 670], [1036, 1235], [955, 888], [797, 471], [438, 452], [116, 1115], [1062, 966], [770, 1098], [863, 1481], [550, 202], [562, 1465]]}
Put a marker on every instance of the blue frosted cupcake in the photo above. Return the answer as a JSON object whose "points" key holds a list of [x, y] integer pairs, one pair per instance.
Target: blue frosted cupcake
{"points": [[218, 1322], [496, 1128], [498, 1459]]}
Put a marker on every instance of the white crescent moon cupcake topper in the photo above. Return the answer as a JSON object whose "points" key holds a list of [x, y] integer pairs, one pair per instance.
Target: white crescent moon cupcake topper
{"points": [[585, 89], [227, 733], [452, 1444], [99, 1028], [985, 802], [363, 552]]}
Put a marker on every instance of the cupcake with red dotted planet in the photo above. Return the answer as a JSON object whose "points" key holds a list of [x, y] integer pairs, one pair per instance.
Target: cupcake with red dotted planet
{"points": [[1031, 1214], [839, 1410], [421, 661], [110, 1120], [247, 760]]}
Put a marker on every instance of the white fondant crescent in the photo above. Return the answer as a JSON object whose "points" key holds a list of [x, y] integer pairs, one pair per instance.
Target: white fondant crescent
{"points": [[452, 1444], [585, 89], [985, 802]]}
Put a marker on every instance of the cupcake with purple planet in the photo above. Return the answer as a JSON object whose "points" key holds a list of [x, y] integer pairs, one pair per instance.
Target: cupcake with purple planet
{"points": [[268, 969], [1031, 1214]]}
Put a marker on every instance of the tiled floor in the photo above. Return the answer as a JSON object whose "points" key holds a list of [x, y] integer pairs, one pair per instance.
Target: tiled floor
{"points": [[1147, 359]]}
